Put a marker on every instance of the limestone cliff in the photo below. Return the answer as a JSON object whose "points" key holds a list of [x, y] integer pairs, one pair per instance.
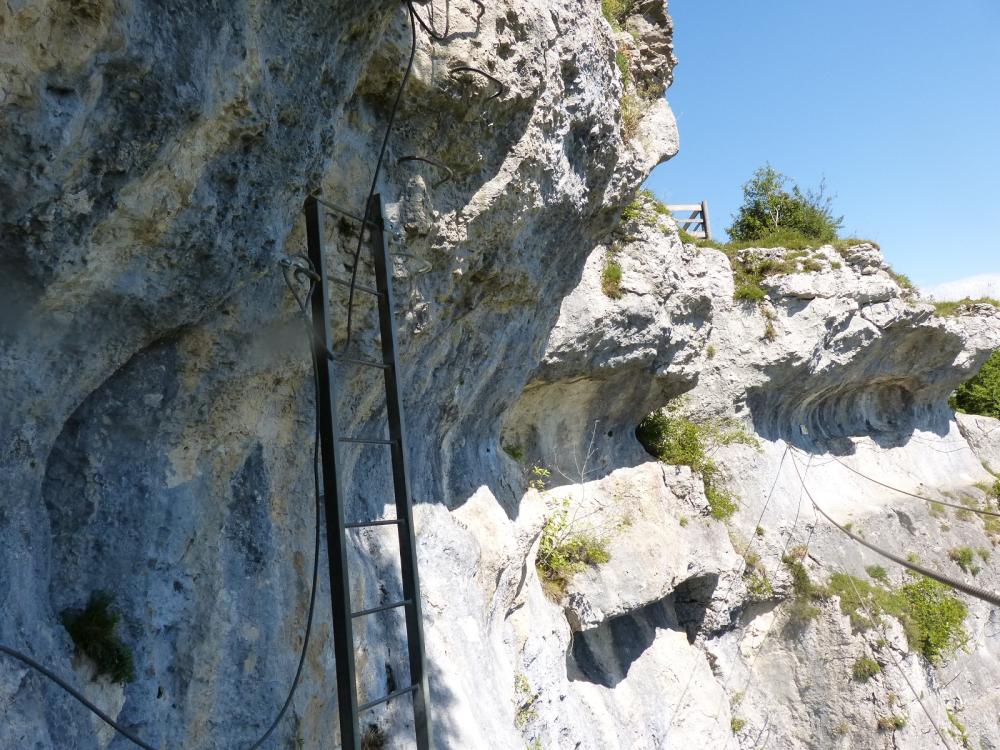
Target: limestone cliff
{"points": [[156, 420]]}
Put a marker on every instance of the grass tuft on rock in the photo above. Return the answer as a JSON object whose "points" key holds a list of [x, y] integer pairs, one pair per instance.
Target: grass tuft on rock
{"points": [[965, 558], [92, 630], [565, 549], [675, 439], [611, 278], [865, 668], [949, 308]]}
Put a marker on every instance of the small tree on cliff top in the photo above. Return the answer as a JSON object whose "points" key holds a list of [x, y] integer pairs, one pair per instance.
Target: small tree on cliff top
{"points": [[981, 395], [771, 210]]}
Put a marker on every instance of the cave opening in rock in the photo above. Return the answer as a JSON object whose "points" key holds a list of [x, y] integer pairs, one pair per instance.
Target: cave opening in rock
{"points": [[603, 655]]}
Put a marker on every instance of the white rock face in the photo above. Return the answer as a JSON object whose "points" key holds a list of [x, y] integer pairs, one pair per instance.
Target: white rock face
{"points": [[854, 375]]}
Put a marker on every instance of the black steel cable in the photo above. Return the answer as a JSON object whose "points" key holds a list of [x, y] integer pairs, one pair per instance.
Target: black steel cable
{"points": [[378, 166], [919, 497], [743, 565], [79, 697], [974, 591], [432, 32], [874, 620]]}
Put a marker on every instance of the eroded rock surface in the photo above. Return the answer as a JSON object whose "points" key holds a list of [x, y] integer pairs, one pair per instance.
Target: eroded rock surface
{"points": [[157, 407]]}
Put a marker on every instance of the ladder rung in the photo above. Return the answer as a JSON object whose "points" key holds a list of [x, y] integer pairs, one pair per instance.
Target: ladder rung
{"points": [[387, 698], [344, 211], [367, 441], [383, 608], [359, 287], [362, 362], [381, 522]]}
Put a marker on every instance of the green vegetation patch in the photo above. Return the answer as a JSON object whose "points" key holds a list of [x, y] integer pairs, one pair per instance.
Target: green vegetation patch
{"points": [[890, 722], [958, 730], [525, 711], [965, 558], [878, 573], [565, 549], [949, 308], [631, 108], [611, 277], [515, 451], [616, 11], [931, 615], [93, 632], [981, 394], [805, 593], [865, 668], [677, 440]]}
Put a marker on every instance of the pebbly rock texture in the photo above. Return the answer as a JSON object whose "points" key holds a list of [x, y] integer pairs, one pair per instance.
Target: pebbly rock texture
{"points": [[157, 404]]}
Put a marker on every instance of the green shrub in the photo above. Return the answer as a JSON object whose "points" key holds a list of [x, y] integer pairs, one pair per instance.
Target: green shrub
{"points": [[768, 207], [965, 558], [981, 394], [721, 503], [564, 550], [539, 477], [616, 11], [931, 615], [802, 609], [677, 440], [737, 724], [93, 632], [865, 668]]}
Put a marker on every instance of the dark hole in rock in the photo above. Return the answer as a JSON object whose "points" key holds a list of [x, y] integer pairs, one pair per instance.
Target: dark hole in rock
{"points": [[603, 655]]}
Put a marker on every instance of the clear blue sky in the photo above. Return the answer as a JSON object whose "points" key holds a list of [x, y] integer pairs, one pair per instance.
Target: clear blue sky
{"points": [[896, 103]]}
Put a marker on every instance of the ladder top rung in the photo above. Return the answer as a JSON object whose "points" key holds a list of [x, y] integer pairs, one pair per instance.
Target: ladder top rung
{"points": [[359, 287], [382, 608], [367, 441], [387, 698], [356, 361], [380, 522], [344, 211]]}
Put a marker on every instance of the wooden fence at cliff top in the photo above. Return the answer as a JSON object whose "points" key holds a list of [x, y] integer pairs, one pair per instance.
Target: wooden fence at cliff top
{"points": [[697, 223]]}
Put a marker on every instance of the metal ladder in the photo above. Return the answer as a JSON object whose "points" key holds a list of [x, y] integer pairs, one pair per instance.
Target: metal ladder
{"points": [[333, 498]]}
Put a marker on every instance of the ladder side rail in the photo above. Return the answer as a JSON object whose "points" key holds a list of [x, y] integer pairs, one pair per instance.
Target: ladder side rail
{"points": [[333, 497], [401, 484]]}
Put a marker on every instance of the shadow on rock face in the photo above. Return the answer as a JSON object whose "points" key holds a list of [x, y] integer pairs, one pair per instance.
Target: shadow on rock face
{"points": [[888, 390], [604, 655]]}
